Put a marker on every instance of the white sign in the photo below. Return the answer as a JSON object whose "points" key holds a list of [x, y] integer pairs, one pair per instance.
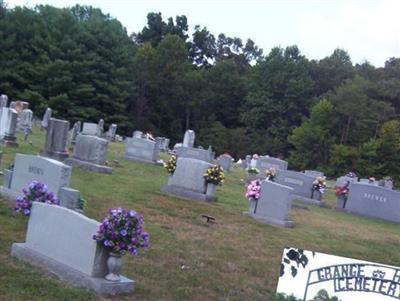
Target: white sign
{"points": [[308, 275]]}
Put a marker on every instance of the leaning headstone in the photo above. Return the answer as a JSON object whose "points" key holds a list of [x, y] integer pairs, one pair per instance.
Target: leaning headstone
{"points": [[76, 130], [188, 181], [56, 139], [3, 101], [195, 153], [100, 128], [90, 152], [28, 168], [188, 139], [112, 131], [46, 118], [225, 161], [374, 201], [301, 183], [89, 128], [60, 240], [142, 150], [8, 127], [274, 205]]}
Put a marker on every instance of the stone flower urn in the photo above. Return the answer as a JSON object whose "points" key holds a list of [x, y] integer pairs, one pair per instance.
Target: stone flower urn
{"points": [[114, 265], [211, 188]]}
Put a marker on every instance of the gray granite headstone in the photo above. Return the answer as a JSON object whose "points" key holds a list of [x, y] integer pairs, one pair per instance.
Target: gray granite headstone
{"points": [[46, 118], [368, 181], [76, 130], [8, 126], [188, 139], [142, 150], [188, 180], [225, 161], [56, 139], [374, 201], [61, 241], [314, 173], [69, 198], [89, 128], [25, 122], [100, 128], [195, 153], [341, 181], [301, 183], [265, 162], [274, 204], [137, 134], [28, 168], [90, 152], [13, 104], [3, 101], [112, 131]]}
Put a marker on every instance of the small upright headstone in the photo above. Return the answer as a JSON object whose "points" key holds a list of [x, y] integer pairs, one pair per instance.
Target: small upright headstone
{"points": [[196, 153], [137, 134], [225, 161], [25, 122], [8, 126], [274, 205], [112, 131], [46, 118], [89, 128], [56, 139], [3, 101], [90, 153], [142, 150], [100, 128], [388, 183], [266, 162], [13, 105], [188, 139], [76, 130], [61, 241]]}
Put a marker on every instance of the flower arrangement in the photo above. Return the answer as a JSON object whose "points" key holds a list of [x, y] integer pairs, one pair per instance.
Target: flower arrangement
{"points": [[36, 192], [270, 174], [253, 170], [215, 175], [253, 190], [342, 190], [351, 174], [170, 166], [122, 231], [319, 184]]}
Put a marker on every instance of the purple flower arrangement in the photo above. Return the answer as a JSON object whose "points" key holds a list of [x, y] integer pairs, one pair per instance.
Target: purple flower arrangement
{"points": [[36, 192], [254, 190], [122, 231]]}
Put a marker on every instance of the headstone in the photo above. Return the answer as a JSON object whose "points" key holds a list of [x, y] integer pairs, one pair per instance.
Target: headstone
{"points": [[308, 275], [28, 168], [314, 173], [247, 162], [112, 131], [266, 162], [46, 118], [301, 183], [188, 139], [76, 130], [137, 134], [61, 241], [3, 101], [388, 183], [374, 201], [100, 128], [90, 153], [56, 139], [369, 181], [225, 161], [274, 205], [142, 150], [195, 153], [25, 122], [8, 126], [341, 181], [89, 128], [69, 198], [13, 105], [188, 180]]}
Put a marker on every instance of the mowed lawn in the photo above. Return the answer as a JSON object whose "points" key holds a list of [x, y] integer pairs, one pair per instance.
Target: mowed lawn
{"points": [[236, 259]]}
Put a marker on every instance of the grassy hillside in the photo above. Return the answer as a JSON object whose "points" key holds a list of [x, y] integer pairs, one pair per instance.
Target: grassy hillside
{"points": [[236, 259]]}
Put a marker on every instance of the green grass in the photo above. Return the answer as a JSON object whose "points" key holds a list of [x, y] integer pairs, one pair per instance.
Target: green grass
{"points": [[236, 259]]}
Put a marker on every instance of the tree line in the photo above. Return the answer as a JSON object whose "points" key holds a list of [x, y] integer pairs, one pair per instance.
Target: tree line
{"points": [[327, 114]]}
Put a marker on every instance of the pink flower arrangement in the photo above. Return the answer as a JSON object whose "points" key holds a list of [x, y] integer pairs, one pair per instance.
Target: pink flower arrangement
{"points": [[254, 190]]}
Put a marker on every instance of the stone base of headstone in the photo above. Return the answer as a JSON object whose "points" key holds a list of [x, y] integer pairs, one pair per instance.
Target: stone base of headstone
{"points": [[307, 201], [98, 285], [55, 155], [8, 141], [271, 221], [9, 194], [88, 165], [187, 194], [141, 160]]}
